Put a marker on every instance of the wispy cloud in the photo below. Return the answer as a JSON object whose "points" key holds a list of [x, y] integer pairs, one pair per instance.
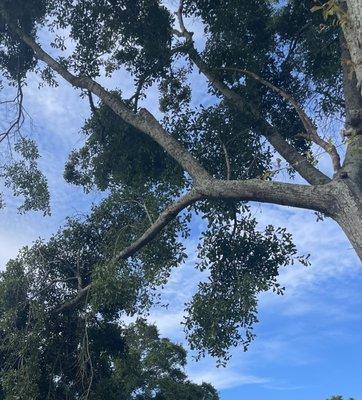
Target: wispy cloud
{"points": [[225, 379]]}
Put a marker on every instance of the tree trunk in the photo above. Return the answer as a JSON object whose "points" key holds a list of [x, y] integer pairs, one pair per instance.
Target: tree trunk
{"points": [[352, 29], [349, 213]]}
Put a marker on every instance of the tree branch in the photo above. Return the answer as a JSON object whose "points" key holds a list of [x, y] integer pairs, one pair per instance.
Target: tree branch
{"points": [[311, 131], [302, 196], [227, 160], [164, 218], [352, 166], [143, 120], [167, 216], [81, 294], [16, 124], [316, 198]]}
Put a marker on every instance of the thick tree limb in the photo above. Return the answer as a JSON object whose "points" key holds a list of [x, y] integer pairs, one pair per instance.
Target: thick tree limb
{"points": [[336, 199], [81, 294], [143, 120], [317, 198], [287, 151]]}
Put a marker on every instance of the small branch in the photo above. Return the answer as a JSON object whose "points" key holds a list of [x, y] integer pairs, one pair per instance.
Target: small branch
{"points": [[141, 205], [328, 147], [96, 114], [91, 103], [228, 177], [149, 216], [164, 218], [79, 275], [19, 120], [227, 162], [227, 159], [294, 42], [183, 31], [49, 285], [135, 98]]}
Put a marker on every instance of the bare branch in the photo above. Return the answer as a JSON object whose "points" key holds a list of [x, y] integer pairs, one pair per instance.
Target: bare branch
{"points": [[227, 160], [142, 205], [149, 216], [184, 32], [19, 119]]}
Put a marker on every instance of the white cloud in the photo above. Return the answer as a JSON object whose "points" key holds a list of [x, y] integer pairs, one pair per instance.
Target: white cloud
{"points": [[224, 378], [168, 323]]}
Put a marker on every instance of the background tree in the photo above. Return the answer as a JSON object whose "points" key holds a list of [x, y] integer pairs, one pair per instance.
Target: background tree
{"points": [[337, 398], [88, 353], [264, 62]]}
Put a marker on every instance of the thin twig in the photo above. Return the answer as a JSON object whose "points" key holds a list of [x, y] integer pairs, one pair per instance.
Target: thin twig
{"points": [[16, 125]]}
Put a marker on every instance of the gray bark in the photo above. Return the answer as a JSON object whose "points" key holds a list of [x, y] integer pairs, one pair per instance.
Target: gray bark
{"points": [[352, 166], [349, 213], [352, 29]]}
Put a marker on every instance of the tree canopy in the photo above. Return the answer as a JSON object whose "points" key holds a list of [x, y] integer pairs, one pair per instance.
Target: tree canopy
{"points": [[273, 70], [49, 351]]}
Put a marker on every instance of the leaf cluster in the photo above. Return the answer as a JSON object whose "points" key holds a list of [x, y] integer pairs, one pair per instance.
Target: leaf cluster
{"points": [[24, 178]]}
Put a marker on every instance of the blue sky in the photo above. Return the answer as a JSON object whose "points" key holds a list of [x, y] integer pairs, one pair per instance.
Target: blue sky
{"points": [[309, 342]]}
